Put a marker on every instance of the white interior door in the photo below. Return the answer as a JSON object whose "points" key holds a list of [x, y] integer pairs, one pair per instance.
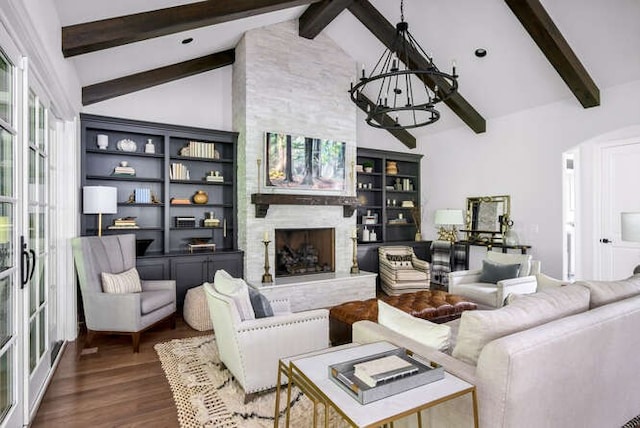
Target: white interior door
{"points": [[38, 361], [619, 193], [11, 349]]}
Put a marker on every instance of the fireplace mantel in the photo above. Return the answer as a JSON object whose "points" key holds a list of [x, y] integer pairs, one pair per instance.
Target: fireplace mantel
{"points": [[263, 200]]}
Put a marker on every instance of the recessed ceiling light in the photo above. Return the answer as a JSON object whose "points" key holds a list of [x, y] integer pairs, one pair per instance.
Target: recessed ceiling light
{"points": [[480, 53], [187, 40]]}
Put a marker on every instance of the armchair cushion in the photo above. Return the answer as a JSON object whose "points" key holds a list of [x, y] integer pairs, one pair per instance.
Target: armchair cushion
{"points": [[152, 300], [121, 283], [426, 332], [400, 261], [494, 272], [524, 260], [260, 304], [237, 290]]}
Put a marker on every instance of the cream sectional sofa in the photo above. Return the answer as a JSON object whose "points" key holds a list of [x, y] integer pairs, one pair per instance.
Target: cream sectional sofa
{"points": [[563, 357]]}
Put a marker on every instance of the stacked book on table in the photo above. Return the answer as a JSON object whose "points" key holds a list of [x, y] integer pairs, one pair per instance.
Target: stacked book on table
{"points": [[125, 223], [383, 369]]}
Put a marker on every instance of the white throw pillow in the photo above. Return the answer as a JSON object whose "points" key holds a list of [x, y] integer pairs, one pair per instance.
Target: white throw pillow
{"points": [[236, 289], [509, 258], [121, 283], [478, 328], [427, 333]]}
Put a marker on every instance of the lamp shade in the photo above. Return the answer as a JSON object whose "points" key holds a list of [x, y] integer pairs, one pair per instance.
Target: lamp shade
{"points": [[99, 200], [448, 217], [630, 226]]}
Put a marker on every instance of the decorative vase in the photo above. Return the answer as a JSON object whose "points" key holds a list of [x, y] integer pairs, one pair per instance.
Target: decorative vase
{"points": [[149, 147], [392, 168], [368, 169], [511, 238], [103, 141], [200, 197]]}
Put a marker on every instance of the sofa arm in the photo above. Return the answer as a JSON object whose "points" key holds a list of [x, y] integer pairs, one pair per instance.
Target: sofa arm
{"points": [[367, 332], [421, 265], [521, 285], [545, 281], [159, 284], [263, 342], [112, 312], [464, 277]]}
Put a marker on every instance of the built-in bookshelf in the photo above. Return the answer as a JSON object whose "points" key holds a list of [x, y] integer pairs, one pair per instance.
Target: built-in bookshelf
{"points": [[176, 189]]}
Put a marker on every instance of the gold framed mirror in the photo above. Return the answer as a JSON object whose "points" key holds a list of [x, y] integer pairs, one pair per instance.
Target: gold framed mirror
{"points": [[486, 217]]}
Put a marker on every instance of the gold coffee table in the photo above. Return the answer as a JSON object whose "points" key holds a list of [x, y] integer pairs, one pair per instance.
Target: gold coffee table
{"points": [[310, 373]]}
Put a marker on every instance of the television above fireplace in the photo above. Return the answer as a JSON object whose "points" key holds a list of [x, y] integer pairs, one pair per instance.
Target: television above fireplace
{"points": [[299, 162]]}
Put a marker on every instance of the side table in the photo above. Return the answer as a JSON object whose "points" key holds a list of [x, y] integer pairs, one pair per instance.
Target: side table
{"points": [[310, 373]]}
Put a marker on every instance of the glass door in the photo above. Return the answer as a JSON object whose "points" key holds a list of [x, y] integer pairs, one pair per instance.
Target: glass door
{"points": [[38, 349], [11, 399]]}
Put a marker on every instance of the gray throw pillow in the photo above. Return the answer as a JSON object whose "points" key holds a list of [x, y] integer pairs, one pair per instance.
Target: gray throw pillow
{"points": [[494, 272], [261, 306]]}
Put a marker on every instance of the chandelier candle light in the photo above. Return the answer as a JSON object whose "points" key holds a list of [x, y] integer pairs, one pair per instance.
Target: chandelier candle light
{"points": [[403, 67]]}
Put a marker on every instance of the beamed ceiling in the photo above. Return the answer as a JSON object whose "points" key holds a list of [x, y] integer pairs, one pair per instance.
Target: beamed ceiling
{"points": [[538, 52]]}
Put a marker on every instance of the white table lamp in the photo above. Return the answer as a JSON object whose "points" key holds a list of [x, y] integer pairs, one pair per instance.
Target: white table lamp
{"points": [[99, 200], [448, 220]]}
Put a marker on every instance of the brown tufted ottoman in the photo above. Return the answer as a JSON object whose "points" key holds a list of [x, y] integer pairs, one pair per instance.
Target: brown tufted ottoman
{"points": [[433, 305]]}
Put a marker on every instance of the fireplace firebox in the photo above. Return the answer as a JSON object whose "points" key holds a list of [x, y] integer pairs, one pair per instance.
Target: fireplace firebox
{"points": [[304, 251]]}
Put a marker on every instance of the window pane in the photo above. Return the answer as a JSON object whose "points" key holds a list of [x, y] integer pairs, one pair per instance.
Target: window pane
{"points": [[41, 125], [6, 90], [41, 178], [6, 163], [6, 316], [6, 233], [6, 383], [33, 344], [41, 333], [32, 118]]}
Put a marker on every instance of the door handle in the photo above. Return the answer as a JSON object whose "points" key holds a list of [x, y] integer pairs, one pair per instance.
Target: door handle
{"points": [[24, 263], [32, 253], [606, 241]]}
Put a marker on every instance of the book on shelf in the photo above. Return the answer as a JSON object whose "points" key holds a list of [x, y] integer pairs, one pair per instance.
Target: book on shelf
{"points": [[198, 149], [383, 370], [142, 196], [134, 226], [178, 172], [180, 201]]}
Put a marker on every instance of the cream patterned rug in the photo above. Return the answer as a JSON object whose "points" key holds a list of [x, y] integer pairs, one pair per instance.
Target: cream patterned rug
{"points": [[206, 395]]}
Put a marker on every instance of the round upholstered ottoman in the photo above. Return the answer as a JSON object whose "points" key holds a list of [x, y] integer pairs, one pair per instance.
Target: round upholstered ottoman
{"points": [[196, 310]]}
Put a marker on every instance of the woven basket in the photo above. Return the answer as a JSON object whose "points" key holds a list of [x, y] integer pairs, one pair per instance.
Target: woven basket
{"points": [[196, 310]]}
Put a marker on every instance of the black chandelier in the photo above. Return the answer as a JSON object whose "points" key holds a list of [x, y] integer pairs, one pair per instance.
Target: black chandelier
{"points": [[406, 83]]}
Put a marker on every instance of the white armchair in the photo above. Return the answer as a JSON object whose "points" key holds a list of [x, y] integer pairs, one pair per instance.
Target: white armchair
{"points": [[251, 348], [401, 271], [467, 282]]}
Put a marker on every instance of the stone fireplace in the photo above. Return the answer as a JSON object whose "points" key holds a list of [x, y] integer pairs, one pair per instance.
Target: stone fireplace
{"points": [[281, 84], [304, 251]]}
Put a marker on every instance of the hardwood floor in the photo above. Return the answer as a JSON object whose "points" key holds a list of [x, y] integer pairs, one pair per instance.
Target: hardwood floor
{"points": [[112, 387]]}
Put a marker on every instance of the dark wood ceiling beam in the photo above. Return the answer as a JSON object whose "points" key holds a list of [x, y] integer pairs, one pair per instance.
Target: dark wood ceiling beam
{"points": [[375, 22], [403, 135], [135, 82], [319, 15], [535, 19], [107, 33]]}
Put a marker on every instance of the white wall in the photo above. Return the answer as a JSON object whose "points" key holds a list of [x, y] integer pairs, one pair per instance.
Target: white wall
{"points": [[203, 100], [521, 155]]}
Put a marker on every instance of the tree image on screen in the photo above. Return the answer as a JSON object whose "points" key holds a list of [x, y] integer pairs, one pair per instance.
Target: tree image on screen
{"points": [[295, 161]]}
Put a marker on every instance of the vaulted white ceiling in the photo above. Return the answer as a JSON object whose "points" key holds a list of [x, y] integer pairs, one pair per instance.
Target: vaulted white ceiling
{"points": [[514, 75]]}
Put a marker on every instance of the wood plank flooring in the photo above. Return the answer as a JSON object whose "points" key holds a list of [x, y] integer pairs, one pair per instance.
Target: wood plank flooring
{"points": [[112, 387]]}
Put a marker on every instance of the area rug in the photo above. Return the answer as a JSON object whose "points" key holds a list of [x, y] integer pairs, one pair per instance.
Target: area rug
{"points": [[206, 395]]}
